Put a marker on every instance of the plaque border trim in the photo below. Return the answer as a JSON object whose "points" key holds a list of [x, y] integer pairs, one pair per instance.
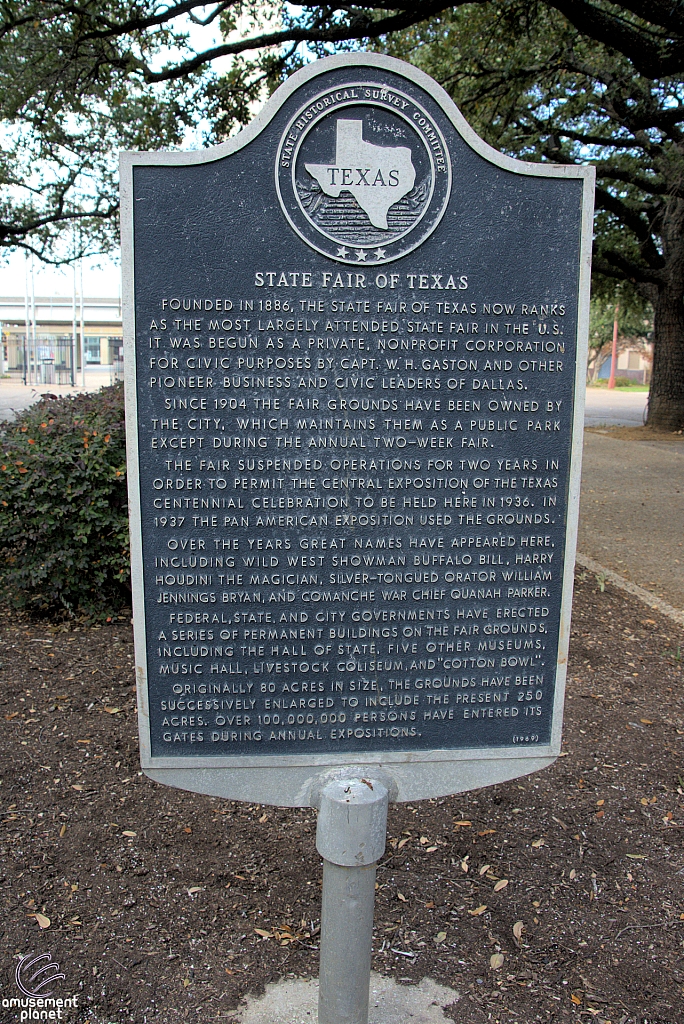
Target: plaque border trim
{"points": [[290, 779]]}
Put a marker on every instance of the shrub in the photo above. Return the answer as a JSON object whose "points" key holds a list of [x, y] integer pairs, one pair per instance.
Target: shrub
{"points": [[63, 505]]}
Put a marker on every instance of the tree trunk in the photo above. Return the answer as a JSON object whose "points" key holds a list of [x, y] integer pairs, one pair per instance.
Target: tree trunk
{"points": [[666, 399]]}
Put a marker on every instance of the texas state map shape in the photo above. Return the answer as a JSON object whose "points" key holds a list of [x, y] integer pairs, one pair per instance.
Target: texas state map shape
{"points": [[377, 176]]}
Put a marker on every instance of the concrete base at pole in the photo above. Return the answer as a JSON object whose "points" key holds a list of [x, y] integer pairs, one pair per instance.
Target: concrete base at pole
{"points": [[295, 1002]]}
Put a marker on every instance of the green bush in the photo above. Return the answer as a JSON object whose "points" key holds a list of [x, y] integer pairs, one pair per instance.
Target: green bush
{"points": [[63, 505]]}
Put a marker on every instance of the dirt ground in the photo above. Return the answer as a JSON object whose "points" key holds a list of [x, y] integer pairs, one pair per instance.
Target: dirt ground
{"points": [[556, 897]]}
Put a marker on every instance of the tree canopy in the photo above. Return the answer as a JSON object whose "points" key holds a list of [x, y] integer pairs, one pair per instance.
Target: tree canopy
{"points": [[569, 81], [536, 86]]}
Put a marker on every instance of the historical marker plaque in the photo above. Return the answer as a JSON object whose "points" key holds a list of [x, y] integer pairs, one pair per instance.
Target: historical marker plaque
{"points": [[356, 345]]}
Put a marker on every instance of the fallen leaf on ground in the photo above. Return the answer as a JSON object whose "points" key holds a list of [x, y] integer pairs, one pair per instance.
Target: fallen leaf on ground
{"points": [[112, 711], [129, 833], [496, 961], [400, 896], [518, 928], [43, 921], [501, 885], [485, 869], [478, 911], [440, 937], [538, 842]]}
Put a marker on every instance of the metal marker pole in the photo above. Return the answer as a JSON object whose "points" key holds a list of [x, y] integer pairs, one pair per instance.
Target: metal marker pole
{"points": [[351, 836]]}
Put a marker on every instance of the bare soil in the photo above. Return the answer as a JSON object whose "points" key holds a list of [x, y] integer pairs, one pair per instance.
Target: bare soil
{"points": [[166, 906], [646, 435]]}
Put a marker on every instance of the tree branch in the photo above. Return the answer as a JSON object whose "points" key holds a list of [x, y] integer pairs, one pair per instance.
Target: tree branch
{"points": [[614, 264], [604, 169], [653, 54], [636, 224], [336, 34], [591, 140]]}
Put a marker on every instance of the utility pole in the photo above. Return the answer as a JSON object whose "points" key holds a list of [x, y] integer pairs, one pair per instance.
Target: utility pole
{"points": [[34, 335], [83, 352], [613, 358], [74, 335], [26, 321]]}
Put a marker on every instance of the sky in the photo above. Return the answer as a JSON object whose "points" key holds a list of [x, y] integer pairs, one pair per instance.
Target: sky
{"points": [[101, 278]]}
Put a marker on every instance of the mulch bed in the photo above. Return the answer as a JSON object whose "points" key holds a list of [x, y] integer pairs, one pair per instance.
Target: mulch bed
{"points": [[154, 896]]}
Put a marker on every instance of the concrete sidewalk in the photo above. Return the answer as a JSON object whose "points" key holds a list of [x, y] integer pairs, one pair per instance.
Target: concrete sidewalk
{"points": [[632, 508], [16, 396]]}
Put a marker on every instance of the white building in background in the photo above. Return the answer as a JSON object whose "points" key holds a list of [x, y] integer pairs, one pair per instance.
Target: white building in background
{"points": [[51, 340], [633, 363]]}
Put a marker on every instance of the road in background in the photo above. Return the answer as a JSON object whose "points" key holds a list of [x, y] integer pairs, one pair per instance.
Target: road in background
{"points": [[632, 506], [603, 408], [614, 408]]}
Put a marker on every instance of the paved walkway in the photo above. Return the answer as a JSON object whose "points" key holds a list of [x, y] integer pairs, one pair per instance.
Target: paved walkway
{"points": [[614, 408], [15, 396], [632, 509]]}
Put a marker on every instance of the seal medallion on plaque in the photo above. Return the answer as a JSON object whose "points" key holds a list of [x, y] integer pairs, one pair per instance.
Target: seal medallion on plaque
{"points": [[363, 173]]}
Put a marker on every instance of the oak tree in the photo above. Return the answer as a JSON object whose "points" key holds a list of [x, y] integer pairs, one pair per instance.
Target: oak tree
{"points": [[560, 80]]}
